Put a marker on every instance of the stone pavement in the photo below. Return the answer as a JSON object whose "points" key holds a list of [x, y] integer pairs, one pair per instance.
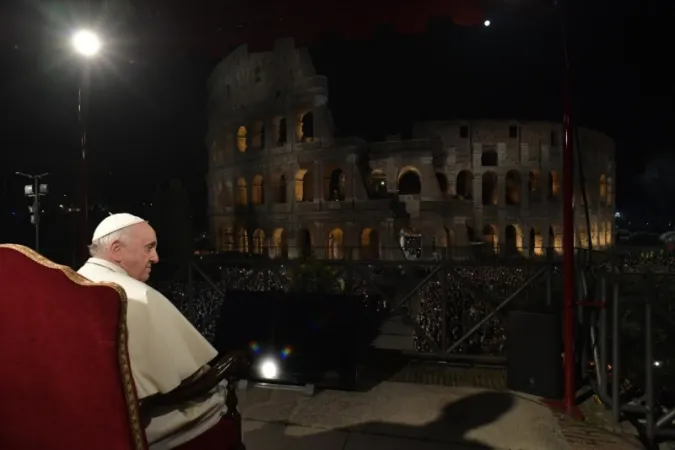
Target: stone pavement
{"points": [[402, 416]]}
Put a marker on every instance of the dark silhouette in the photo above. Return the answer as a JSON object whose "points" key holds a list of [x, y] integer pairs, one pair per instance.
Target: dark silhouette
{"points": [[448, 431]]}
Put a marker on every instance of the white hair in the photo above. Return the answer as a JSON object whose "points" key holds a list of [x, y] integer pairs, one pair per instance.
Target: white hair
{"points": [[102, 244]]}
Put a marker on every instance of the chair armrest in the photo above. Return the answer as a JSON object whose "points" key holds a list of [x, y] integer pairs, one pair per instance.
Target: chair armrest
{"points": [[231, 366]]}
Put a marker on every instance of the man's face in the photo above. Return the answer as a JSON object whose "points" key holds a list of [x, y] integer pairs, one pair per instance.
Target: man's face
{"points": [[137, 251]]}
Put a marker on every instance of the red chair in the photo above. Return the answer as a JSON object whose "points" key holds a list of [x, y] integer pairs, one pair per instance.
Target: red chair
{"points": [[65, 375]]}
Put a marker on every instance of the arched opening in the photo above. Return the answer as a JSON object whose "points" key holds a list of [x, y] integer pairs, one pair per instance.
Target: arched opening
{"points": [[304, 186], [227, 239], [410, 241], [335, 248], [464, 186], [257, 191], [378, 184], [553, 184], [536, 244], [442, 183], [280, 191], [513, 187], [534, 186], [242, 240], [258, 241], [370, 244], [280, 131], [279, 245], [304, 243], [242, 197], [242, 139], [491, 237], [409, 182], [258, 135], [489, 189], [335, 189], [306, 127], [511, 241], [489, 156], [603, 188]]}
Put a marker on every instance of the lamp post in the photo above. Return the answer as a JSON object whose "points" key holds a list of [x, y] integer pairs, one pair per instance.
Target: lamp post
{"points": [[87, 45], [35, 190]]}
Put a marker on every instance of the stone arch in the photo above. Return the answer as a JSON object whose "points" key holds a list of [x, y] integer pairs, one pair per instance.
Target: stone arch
{"points": [[370, 244], [553, 184], [512, 240], [536, 242], [258, 134], [242, 139], [304, 186], [603, 188], [410, 241], [280, 189], [242, 239], [464, 186], [305, 131], [279, 244], [442, 183], [491, 236], [489, 188], [513, 187], [534, 186], [258, 190], [304, 242], [335, 245], [258, 241], [279, 130], [242, 195], [377, 183], [409, 181], [335, 185]]}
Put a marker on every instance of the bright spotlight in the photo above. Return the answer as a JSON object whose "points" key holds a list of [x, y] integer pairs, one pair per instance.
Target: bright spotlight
{"points": [[269, 369], [486, 23], [86, 43]]}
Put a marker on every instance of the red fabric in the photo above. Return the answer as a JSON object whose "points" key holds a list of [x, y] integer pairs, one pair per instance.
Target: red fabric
{"points": [[223, 436], [60, 379]]}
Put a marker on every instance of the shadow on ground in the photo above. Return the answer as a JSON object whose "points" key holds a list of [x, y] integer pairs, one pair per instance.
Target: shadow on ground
{"points": [[449, 431]]}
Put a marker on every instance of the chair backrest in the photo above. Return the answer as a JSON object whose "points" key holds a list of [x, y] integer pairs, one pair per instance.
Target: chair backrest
{"points": [[65, 377]]}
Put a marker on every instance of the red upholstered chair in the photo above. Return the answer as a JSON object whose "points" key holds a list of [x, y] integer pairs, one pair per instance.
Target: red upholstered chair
{"points": [[65, 377]]}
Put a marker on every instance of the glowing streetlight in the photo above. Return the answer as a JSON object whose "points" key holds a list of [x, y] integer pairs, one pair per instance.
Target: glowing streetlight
{"points": [[86, 43], [486, 23]]}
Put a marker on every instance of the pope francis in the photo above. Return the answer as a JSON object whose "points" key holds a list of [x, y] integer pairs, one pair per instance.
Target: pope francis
{"points": [[164, 348]]}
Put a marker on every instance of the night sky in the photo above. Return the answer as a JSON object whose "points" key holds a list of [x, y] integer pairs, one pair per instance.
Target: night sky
{"points": [[388, 66]]}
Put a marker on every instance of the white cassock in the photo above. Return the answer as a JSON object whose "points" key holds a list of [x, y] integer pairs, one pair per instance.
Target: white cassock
{"points": [[164, 349]]}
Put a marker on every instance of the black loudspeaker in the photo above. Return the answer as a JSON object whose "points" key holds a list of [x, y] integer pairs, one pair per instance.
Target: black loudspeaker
{"points": [[534, 354]]}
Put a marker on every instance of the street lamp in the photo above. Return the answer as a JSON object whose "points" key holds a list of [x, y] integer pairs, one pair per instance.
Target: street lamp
{"points": [[87, 44], [35, 190]]}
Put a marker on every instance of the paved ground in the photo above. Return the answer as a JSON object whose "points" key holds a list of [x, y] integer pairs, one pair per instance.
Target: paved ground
{"points": [[404, 416]]}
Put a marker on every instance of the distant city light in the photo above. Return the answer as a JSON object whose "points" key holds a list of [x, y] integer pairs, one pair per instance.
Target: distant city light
{"points": [[486, 23], [86, 43], [617, 215]]}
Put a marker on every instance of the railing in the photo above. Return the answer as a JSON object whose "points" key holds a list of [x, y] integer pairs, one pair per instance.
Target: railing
{"points": [[456, 309]]}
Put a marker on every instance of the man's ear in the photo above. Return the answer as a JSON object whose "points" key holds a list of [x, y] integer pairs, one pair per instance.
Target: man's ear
{"points": [[115, 247]]}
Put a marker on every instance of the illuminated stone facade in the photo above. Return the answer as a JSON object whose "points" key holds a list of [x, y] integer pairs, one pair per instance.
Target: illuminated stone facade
{"points": [[281, 183]]}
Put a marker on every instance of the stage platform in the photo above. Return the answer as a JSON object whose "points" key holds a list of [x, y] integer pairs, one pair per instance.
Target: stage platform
{"points": [[404, 416]]}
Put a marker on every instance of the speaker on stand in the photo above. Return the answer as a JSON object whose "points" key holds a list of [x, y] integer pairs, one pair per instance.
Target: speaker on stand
{"points": [[534, 354]]}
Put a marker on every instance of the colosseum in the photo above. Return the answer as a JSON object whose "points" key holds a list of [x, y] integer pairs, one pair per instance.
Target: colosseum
{"points": [[282, 184]]}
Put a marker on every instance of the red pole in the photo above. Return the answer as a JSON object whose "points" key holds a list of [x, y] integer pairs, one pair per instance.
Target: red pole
{"points": [[568, 250]]}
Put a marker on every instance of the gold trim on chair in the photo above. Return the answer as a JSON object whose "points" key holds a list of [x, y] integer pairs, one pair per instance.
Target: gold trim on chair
{"points": [[137, 432]]}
